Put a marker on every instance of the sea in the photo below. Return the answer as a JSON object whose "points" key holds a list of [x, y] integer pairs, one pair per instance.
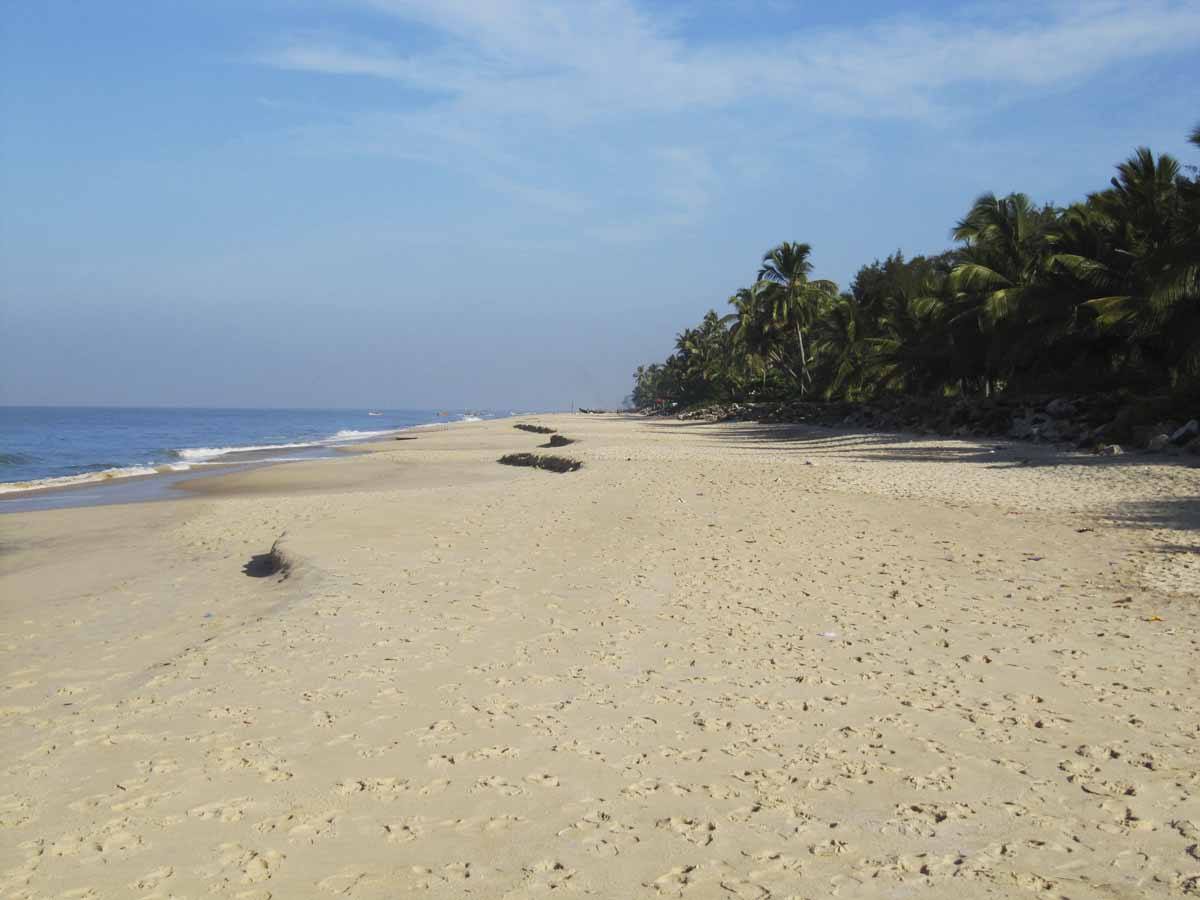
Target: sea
{"points": [[62, 447]]}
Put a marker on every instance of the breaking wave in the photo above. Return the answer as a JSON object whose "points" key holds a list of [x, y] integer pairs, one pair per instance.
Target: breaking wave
{"points": [[203, 454], [83, 478]]}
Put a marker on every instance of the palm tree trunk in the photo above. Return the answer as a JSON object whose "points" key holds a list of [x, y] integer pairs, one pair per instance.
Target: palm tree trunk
{"points": [[803, 360], [783, 362]]}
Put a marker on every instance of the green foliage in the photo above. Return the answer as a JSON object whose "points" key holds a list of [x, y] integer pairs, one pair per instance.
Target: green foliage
{"points": [[1102, 294]]}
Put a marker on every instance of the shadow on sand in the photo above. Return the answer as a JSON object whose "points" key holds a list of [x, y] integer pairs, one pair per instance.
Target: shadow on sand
{"points": [[1181, 514], [815, 441]]}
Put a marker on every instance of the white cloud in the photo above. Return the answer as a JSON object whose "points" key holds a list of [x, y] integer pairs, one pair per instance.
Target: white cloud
{"points": [[501, 78], [577, 60]]}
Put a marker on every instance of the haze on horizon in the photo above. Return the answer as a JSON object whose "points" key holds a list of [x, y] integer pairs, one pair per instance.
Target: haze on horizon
{"points": [[501, 203]]}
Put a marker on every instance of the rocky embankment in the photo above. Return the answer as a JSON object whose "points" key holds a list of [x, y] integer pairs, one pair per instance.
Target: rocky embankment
{"points": [[1102, 424]]}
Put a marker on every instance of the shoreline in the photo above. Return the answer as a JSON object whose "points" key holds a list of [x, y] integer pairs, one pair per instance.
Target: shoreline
{"points": [[161, 480], [735, 659]]}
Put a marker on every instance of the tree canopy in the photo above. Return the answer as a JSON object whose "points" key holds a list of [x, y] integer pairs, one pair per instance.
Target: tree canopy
{"points": [[1101, 294]]}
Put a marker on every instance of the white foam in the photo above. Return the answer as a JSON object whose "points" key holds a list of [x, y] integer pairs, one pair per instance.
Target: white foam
{"points": [[11, 487], [290, 459], [470, 419], [194, 457], [206, 454], [202, 454], [350, 434]]}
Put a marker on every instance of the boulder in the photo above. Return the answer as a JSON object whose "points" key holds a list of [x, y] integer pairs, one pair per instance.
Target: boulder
{"points": [[1068, 432], [1021, 428], [1111, 450], [1185, 434], [1060, 408], [1046, 433], [1042, 428]]}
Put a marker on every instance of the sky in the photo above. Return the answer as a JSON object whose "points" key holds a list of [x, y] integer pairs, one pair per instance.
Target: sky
{"points": [[506, 203]]}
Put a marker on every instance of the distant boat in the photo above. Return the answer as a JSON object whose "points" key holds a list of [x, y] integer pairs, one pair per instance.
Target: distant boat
{"points": [[374, 414]]}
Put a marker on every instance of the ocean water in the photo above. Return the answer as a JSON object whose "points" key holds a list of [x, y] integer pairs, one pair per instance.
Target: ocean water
{"points": [[51, 447]]}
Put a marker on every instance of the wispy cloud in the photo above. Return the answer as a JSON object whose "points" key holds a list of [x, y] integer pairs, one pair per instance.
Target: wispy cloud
{"points": [[499, 77], [579, 60]]}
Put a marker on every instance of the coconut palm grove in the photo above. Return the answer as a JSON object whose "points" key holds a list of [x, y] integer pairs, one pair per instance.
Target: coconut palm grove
{"points": [[1100, 296]]}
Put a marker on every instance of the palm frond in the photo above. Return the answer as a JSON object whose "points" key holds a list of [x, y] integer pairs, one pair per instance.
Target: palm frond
{"points": [[1111, 311], [975, 277]]}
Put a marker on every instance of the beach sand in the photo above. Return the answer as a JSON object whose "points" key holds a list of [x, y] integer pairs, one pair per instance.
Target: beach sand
{"points": [[727, 661]]}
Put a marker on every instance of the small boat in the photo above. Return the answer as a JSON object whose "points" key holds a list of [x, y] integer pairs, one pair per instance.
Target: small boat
{"points": [[374, 414]]}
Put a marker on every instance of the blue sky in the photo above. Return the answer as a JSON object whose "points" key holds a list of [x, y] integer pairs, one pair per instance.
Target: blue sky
{"points": [[503, 203]]}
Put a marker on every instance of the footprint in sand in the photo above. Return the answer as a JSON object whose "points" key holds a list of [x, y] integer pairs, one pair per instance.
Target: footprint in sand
{"points": [[165, 766], [15, 811], [300, 826], [694, 830], [222, 810], [238, 864], [152, 880], [250, 755], [348, 882], [112, 841], [385, 789], [439, 732], [143, 801], [500, 785], [543, 877], [453, 873], [673, 882], [601, 835], [404, 832], [482, 824]]}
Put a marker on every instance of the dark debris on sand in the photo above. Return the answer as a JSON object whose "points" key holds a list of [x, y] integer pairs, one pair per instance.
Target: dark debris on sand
{"points": [[536, 429], [541, 461]]}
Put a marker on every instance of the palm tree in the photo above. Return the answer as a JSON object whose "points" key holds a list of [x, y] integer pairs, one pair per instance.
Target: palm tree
{"points": [[704, 352], [924, 341], [1002, 277], [794, 299], [1104, 293], [1145, 264], [751, 329], [1006, 243], [840, 345]]}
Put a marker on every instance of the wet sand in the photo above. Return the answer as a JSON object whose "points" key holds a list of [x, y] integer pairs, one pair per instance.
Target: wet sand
{"points": [[718, 661]]}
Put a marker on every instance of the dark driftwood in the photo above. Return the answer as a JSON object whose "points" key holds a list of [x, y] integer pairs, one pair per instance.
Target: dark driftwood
{"points": [[541, 461], [273, 562], [536, 429]]}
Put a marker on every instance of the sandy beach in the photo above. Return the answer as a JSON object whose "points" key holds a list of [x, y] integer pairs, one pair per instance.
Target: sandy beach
{"points": [[719, 661]]}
